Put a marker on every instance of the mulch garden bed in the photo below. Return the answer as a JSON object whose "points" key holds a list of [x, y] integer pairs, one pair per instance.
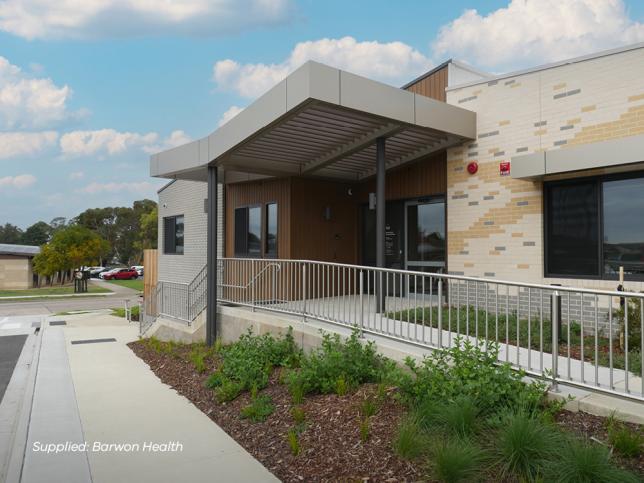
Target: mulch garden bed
{"points": [[331, 447]]}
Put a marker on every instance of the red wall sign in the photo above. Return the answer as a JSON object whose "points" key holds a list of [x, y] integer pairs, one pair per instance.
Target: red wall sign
{"points": [[504, 168]]}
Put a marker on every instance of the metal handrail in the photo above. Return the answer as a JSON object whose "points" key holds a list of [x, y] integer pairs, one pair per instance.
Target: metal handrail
{"points": [[254, 279]]}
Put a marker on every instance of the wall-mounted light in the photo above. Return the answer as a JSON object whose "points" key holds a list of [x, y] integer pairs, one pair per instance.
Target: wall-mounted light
{"points": [[372, 201]]}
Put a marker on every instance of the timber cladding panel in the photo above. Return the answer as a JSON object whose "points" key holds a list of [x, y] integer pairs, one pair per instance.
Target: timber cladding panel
{"points": [[432, 85], [261, 192], [496, 222]]}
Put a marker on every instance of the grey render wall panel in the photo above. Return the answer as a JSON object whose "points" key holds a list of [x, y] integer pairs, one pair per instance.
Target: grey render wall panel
{"points": [[187, 198], [528, 166]]}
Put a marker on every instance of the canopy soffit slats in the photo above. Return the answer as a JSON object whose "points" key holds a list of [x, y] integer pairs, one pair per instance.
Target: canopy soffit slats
{"points": [[322, 122]]}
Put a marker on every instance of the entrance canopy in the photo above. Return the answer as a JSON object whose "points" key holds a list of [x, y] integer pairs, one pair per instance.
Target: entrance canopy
{"points": [[322, 122]]}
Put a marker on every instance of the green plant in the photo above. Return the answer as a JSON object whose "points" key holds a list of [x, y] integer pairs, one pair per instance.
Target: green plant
{"points": [[296, 388], [341, 386], [340, 365], [457, 460], [214, 380], [228, 390], [249, 362], [298, 414], [364, 430], [369, 407], [459, 417], [524, 445], [293, 442], [471, 370], [626, 441], [634, 322], [410, 440], [582, 461], [198, 358], [260, 408]]}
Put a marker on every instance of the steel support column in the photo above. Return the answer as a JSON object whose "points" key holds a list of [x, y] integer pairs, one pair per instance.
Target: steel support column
{"points": [[380, 219], [211, 258]]}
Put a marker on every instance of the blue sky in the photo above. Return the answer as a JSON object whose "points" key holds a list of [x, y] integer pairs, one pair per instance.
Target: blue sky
{"points": [[89, 89]]}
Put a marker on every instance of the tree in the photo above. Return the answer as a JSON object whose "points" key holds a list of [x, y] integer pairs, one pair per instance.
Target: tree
{"points": [[10, 234], [148, 233], [70, 247], [37, 234]]}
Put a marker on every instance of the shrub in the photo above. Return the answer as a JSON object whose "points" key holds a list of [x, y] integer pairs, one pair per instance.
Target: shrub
{"points": [[459, 416], [228, 390], [249, 362], [369, 407], [634, 322], [296, 388], [364, 430], [198, 358], [410, 440], [340, 365], [581, 461], [457, 460], [524, 445], [299, 416], [214, 380], [468, 370], [260, 408], [293, 442], [626, 442]]}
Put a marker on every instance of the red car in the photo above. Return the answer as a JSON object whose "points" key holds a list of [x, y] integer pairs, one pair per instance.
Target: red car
{"points": [[122, 274]]}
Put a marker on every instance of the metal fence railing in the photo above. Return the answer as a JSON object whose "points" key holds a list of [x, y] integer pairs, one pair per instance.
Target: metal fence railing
{"points": [[581, 337]]}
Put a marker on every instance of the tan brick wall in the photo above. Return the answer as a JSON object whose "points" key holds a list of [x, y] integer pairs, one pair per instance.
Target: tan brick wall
{"points": [[15, 272], [495, 224]]}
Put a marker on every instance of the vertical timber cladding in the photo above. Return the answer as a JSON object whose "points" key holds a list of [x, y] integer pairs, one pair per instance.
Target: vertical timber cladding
{"points": [[432, 85]]}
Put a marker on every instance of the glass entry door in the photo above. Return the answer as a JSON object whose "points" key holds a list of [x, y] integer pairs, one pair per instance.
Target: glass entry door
{"points": [[425, 236]]}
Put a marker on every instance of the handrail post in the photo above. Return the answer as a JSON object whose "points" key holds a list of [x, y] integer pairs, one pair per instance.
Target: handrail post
{"points": [[361, 303], [253, 293], [439, 306], [556, 315], [304, 294]]}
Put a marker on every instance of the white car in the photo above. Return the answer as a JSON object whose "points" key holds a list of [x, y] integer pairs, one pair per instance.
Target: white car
{"points": [[138, 268], [95, 271]]}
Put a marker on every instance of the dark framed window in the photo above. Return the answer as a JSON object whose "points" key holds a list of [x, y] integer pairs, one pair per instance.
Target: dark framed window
{"points": [[248, 231], [270, 248], [173, 237], [593, 226]]}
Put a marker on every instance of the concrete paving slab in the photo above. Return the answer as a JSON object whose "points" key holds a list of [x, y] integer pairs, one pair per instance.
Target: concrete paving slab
{"points": [[122, 401]]}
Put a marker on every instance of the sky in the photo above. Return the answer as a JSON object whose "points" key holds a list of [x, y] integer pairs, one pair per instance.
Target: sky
{"points": [[90, 88]]}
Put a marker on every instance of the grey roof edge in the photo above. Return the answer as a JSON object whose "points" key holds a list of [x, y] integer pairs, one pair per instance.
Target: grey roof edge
{"points": [[314, 82], [21, 250], [552, 65], [600, 155], [442, 65], [165, 186]]}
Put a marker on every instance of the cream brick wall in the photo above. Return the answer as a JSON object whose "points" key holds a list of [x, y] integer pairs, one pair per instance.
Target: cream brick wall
{"points": [[187, 198], [15, 272], [495, 223]]}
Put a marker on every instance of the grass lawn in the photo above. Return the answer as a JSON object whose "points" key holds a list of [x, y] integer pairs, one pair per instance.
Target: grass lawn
{"points": [[56, 290], [120, 312], [133, 284]]}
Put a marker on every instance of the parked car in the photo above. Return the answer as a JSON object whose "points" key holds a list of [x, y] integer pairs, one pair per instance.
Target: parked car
{"points": [[121, 274], [108, 271], [138, 268], [96, 271]]}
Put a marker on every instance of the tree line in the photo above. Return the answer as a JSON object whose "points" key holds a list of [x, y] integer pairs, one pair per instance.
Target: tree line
{"points": [[112, 235]]}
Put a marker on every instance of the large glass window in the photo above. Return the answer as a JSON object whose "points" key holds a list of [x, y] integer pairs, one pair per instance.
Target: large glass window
{"points": [[426, 233], [271, 230], [595, 226], [572, 229], [173, 235], [623, 236], [254, 231]]}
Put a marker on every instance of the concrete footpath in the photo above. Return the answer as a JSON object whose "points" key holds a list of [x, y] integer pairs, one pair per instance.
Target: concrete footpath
{"points": [[114, 419]]}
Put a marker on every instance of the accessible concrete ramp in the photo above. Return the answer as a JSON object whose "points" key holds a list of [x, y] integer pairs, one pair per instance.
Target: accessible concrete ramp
{"points": [[55, 422]]}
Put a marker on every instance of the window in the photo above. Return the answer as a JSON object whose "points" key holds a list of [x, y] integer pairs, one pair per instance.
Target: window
{"points": [[173, 235], [594, 226], [271, 230], [248, 232]]}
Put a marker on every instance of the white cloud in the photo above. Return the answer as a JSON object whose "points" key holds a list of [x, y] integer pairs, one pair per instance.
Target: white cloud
{"points": [[30, 102], [37, 19], [176, 138], [103, 141], [528, 32], [142, 187], [19, 182], [13, 144], [392, 62], [76, 175], [229, 114]]}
